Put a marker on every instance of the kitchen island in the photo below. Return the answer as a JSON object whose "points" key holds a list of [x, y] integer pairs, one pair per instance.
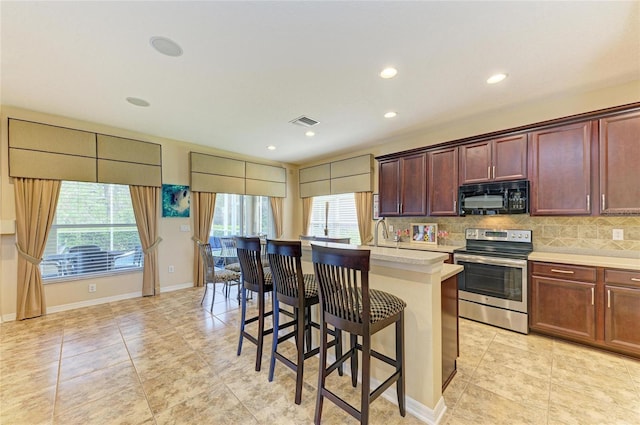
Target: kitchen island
{"points": [[416, 277]]}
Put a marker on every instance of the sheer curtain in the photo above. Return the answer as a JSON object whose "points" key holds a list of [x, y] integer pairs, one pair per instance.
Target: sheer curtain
{"points": [[364, 210], [146, 202], [276, 209], [203, 206], [36, 202], [307, 206]]}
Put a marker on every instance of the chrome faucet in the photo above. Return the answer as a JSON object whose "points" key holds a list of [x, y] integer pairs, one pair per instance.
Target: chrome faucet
{"points": [[385, 232]]}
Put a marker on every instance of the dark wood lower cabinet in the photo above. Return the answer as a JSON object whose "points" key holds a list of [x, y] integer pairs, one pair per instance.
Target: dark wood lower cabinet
{"points": [[564, 308], [450, 338], [593, 305]]}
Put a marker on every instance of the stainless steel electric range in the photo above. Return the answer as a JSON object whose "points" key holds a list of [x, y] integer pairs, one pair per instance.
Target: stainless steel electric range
{"points": [[493, 286]]}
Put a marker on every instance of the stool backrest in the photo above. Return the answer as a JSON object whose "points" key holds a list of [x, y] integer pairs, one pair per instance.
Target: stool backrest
{"points": [[248, 251], [343, 284], [286, 267]]}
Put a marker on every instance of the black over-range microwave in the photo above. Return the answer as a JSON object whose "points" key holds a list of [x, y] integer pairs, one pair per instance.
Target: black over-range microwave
{"points": [[508, 197]]}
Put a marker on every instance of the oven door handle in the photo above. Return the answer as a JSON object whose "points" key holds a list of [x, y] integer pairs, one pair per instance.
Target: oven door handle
{"points": [[499, 261]]}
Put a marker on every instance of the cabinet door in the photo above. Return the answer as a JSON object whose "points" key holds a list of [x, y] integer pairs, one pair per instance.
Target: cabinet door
{"points": [[561, 170], [413, 200], [509, 158], [622, 318], [619, 161], [475, 163], [443, 182], [562, 307], [389, 184]]}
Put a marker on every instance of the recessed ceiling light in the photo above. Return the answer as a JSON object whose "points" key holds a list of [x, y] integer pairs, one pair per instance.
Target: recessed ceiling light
{"points": [[391, 114], [166, 46], [271, 148], [496, 78], [137, 101], [309, 134], [389, 72]]}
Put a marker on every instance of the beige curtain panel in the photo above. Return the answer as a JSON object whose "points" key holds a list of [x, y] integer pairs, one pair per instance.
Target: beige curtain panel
{"points": [[307, 204], [36, 202], [203, 205], [146, 204], [364, 211], [277, 205]]}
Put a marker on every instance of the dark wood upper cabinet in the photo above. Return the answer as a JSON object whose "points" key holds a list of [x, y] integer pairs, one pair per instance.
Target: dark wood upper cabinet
{"points": [[402, 186], [389, 182], [443, 182], [619, 162], [560, 172], [494, 160]]}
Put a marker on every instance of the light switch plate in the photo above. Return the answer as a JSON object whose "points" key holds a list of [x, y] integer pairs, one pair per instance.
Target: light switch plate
{"points": [[391, 228], [185, 228], [618, 234]]}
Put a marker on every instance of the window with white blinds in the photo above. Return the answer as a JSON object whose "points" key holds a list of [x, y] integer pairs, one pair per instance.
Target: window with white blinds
{"points": [[94, 232], [341, 220]]}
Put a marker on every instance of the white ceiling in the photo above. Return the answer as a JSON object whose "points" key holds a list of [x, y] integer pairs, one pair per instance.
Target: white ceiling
{"points": [[249, 68]]}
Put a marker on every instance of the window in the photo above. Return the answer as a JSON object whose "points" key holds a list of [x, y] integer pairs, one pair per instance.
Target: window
{"points": [[94, 231], [242, 215], [342, 221]]}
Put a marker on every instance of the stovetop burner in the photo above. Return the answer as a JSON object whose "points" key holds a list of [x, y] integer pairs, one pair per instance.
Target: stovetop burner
{"points": [[498, 243]]}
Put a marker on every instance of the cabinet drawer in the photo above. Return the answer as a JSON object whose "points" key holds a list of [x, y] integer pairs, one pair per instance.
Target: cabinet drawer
{"points": [[622, 277], [564, 271]]}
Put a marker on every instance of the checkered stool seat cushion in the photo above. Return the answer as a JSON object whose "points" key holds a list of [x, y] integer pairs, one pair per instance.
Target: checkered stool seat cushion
{"points": [[310, 285], [384, 305]]}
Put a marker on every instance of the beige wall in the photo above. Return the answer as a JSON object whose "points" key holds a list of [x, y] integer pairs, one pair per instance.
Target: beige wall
{"points": [[176, 248]]}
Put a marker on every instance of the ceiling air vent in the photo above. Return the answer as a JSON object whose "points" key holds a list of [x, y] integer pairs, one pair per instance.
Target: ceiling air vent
{"points": [[304, 121]]}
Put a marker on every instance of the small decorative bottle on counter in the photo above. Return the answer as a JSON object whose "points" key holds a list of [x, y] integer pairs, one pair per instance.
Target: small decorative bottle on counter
{"points": [[442, 237]]}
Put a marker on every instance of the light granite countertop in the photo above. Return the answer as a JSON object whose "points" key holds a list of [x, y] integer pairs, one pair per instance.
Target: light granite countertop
{"points": [[587, 260], [449, 270], [417, 246]]}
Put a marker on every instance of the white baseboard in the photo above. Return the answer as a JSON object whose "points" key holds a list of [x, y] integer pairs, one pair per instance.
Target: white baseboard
{"points": [[97, 301]]}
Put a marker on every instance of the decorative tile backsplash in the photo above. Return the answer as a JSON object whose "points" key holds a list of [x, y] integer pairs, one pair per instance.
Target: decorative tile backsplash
{"points": [[579, 235]]}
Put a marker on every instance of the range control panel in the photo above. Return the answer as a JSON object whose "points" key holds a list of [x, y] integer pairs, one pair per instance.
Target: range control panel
{"points": [[498, 235]]}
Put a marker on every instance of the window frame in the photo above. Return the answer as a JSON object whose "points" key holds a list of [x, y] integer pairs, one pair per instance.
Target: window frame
{"points": [[337, 222], [60, 258]]}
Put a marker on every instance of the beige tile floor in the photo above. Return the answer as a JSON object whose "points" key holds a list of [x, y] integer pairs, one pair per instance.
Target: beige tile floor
{"points": [[167, 360]]}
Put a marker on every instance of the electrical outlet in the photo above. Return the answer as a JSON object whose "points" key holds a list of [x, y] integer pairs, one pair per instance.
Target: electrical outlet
{"points": [[618, 234], [185, 228], [92, 287], [171, 269], [391, 228]]}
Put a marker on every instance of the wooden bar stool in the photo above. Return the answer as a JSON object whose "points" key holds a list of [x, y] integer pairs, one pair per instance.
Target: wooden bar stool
{"points": [[300, 291], [347, 303], [254, 279]]}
